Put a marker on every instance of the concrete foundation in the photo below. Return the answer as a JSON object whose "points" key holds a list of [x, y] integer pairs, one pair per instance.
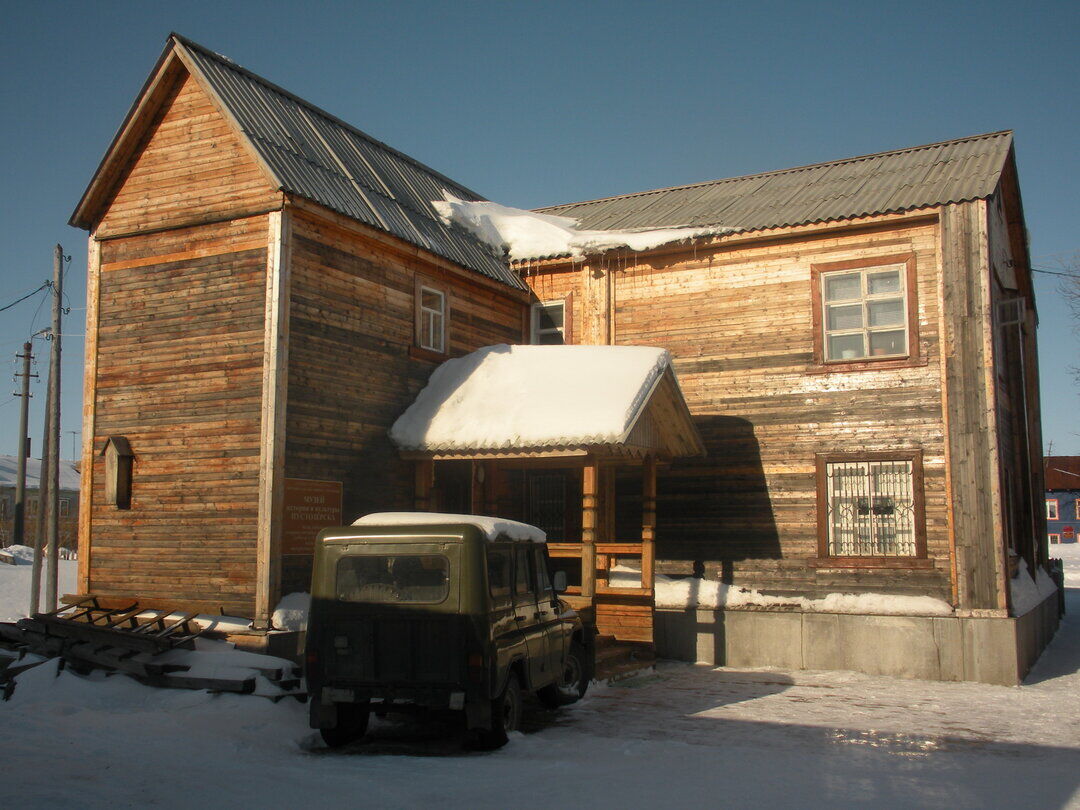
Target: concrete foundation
{"points": [[937, 648]]}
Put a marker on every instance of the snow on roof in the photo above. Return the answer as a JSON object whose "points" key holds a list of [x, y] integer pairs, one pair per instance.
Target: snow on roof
{"points": [[529, 235], [512, 397], [491, 527], [9, 467]]}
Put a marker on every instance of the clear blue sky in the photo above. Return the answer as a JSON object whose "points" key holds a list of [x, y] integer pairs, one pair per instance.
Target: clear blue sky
{"points": [[546, 102]]}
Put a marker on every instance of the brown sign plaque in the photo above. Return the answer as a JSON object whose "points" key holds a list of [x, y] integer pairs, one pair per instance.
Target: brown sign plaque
{"points": [[310, 506]]}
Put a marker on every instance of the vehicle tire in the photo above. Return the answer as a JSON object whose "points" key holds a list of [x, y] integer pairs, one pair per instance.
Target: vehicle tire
{"points": [[506, 712], [351, 725], [572, 683]]}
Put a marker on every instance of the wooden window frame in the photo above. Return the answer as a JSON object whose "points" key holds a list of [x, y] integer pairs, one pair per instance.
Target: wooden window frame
{"points": [[534, 332], [1057, 509], [426, 285], [827, 560], [914, 354]]}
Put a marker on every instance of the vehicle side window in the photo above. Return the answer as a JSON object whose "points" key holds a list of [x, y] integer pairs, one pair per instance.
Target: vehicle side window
{"points": [[498, 566], [543, 577], [523, 581]]}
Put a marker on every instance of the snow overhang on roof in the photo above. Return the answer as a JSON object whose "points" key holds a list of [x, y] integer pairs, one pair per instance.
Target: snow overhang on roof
{"points": [[517, 401]]}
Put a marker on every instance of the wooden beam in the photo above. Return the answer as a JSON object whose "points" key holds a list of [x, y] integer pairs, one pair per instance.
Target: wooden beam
{"points": [[648, 522], [589, 516], [425, 476], [274, 393], [89, 414]]}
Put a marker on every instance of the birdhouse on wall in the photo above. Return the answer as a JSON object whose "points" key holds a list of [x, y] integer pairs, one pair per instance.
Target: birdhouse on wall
{"points": [[118, 464]]}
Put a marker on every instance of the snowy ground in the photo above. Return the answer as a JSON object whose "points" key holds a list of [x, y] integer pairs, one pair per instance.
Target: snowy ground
{"points": [[684, 736]]}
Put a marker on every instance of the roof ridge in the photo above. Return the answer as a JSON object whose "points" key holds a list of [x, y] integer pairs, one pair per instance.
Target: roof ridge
{"points": [[775, 172], [232, 65]]}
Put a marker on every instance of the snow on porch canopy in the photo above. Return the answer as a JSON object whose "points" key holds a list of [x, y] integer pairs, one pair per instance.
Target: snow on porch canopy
{"points": [[550, 400]]}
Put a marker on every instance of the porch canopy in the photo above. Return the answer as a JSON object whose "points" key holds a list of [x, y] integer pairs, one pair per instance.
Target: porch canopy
{"points": [[549, 401], [593, 407]]}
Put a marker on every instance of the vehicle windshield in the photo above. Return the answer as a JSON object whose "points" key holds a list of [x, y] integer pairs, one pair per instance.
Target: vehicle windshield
{"points": [[393, 579]]}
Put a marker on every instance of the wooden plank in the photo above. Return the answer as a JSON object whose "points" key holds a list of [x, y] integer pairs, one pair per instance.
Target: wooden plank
{"points": [[86, 479], [648, 521], [274, 403], [589, 518]]}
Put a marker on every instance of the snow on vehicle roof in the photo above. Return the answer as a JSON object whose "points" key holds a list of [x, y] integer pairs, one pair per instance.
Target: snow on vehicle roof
{"points": [[510, 397], [492, 527]]}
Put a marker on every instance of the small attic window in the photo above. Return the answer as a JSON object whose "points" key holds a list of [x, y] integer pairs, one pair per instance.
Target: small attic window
{"points": [[118, 466]]}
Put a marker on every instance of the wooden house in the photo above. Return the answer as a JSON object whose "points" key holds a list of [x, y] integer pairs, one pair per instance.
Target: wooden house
{"points": [[68, 502], [268, 289], [1062, 498], [858, 351], [852, 404]]}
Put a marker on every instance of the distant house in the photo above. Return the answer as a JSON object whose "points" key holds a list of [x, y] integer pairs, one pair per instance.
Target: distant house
{"points": [[847, 404], [1062, 498], [69, 501]]}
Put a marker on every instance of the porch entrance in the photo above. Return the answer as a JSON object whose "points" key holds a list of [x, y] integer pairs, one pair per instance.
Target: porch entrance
{"points": [[581, 503], [550, 435]]}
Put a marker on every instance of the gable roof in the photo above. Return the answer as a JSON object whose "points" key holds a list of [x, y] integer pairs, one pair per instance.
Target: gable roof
{"points": [[309, 153], [886, 182], [513, 400], [9, 465]]}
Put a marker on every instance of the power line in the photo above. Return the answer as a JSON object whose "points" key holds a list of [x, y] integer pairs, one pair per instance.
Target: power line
{"points": [[20, 300], [1055, 272]]}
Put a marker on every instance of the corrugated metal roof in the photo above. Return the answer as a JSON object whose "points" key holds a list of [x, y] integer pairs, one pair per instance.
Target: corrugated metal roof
{"points": [[887, 182], [318, 157]]}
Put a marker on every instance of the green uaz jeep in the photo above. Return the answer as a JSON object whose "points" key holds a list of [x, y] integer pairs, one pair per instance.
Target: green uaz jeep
{"points": [[418, 610]]}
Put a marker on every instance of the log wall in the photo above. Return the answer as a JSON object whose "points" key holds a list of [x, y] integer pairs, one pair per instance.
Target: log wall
{"points": [[353, 367], [179, 366], [739, 321]]}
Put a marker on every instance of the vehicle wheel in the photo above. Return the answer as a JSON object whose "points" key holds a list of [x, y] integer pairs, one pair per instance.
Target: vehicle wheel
{"points": [[572, 683], [351, 725], [506, 712]]}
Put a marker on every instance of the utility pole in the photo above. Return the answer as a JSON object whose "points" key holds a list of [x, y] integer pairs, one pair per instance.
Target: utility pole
{"points": [[20, 475], [43, 489], [52, 518]]}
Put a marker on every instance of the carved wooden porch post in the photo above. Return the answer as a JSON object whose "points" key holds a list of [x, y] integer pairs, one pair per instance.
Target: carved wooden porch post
{"points": [[648, 522], [589, 515]]}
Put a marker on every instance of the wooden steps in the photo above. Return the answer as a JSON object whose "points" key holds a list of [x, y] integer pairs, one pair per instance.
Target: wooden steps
{"points": [[615, 659]]}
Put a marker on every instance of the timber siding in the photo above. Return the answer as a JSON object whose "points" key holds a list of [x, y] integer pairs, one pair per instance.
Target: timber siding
{"points": [[351, 368], [193, 168], [179, 374], [739, 322]]}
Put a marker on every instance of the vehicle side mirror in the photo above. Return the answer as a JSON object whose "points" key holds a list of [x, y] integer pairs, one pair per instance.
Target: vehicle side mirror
{"points": [[559, 582]]}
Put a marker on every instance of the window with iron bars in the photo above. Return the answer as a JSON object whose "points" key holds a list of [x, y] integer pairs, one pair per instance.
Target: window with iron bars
{"points": [[872, 509]]}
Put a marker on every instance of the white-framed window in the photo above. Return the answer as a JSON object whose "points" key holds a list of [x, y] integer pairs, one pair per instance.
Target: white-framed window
{"points": [[1054, 538], [548, 323], [31, 507], [65, 507], [872, 507], [1052, 509], [864, 313], [431, 319]]}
